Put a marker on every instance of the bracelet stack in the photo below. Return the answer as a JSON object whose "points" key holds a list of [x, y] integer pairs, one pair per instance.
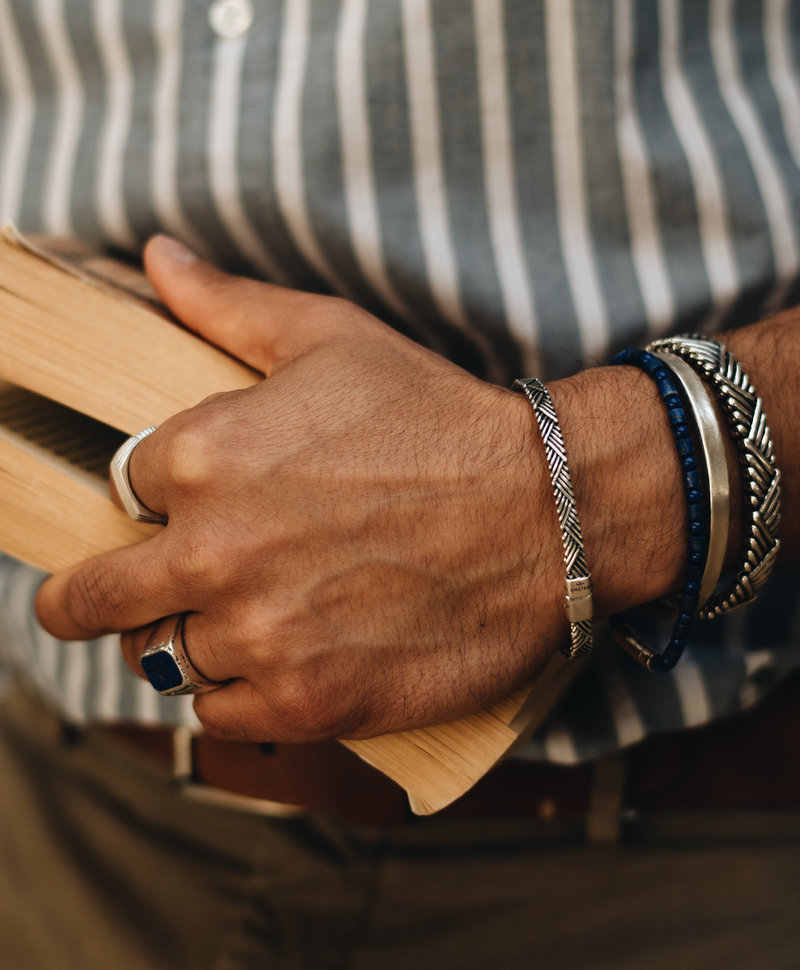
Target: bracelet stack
{"points": [[691, 373], [578, 582], [698, 516], [674, 364]]}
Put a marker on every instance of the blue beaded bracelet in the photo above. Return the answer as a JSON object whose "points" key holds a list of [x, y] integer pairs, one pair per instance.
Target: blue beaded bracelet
{"points": [[697, 502]]}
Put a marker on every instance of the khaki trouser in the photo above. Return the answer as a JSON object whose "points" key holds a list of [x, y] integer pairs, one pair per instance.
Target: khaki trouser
{"points": [[104, 866]]}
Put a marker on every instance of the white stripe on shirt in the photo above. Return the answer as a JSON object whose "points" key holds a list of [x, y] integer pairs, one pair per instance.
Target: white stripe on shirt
{"points": [[69, 116], [426, 145], [767, 173], [116, 123], [107, 702], [782, 70], [715, 236], [428, 171], [221, 146], [692, 693], [19, 123], [359, 178], [167, 16], [570, 182], [499, 174], [627, 719], [646, 245], [75, 677], [288, 143]]}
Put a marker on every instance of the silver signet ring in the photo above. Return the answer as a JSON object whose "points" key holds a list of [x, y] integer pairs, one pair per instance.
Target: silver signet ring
{"points": [[167, 665]]}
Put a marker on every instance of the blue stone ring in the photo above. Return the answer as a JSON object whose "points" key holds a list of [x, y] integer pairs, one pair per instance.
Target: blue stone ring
{"points": [[166, 664]]}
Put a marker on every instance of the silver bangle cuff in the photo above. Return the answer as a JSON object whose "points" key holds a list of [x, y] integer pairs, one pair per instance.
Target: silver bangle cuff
{"points": [[744, 411], [712, 447], [578, 582]]}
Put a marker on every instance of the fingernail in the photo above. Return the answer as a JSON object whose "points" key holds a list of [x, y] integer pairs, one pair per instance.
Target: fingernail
{"points": [[171, 248]]}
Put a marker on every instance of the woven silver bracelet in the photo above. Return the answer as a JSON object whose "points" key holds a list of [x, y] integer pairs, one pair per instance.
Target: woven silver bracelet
{"points": [[578, 582], [744, 411]]}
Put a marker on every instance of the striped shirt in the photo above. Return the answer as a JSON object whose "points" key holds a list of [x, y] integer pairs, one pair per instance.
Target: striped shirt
{"points": [[524, 185]]}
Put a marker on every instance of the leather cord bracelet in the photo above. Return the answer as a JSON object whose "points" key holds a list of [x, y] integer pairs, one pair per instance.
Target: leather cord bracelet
{"points": [[578, 582]]}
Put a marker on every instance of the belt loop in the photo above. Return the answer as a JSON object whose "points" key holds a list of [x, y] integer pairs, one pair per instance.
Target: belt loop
{"points": [[605, 804]]}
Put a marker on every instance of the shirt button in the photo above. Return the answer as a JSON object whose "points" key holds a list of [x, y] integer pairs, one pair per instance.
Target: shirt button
{"points": [[230, 18]]}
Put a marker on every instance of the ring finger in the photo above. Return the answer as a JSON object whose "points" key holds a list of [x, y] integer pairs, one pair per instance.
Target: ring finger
{"points": [[159, 653]]}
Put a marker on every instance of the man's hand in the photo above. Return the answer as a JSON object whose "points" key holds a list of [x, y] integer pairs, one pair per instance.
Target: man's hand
{"points": [[367, 540], [364, 542]]}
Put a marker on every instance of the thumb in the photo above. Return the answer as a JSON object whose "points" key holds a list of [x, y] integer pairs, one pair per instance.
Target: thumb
{"points": [[260, 323]]}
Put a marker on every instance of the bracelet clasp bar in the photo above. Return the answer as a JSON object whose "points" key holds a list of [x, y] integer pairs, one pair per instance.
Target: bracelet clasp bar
{"points": [[578, 598]]}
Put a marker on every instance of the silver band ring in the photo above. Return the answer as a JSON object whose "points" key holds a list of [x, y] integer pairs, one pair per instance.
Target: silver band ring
{"points": [[121, 482], [166, 664]]}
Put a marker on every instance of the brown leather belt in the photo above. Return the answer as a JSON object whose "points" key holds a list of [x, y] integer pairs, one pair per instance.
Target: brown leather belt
{"points": [[749, 760]]}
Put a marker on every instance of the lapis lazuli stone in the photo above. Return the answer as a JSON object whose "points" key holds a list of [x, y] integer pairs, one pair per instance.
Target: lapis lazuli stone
{"points": [[161, 670]]}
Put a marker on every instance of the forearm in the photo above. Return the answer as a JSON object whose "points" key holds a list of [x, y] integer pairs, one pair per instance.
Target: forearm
{"points": [[381, 551]]}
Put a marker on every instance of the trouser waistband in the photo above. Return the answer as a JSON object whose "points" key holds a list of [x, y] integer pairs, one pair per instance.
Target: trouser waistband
{"points": [[744, 761]]}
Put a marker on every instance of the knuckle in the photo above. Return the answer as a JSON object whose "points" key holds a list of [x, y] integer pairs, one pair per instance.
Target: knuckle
{"points": [[92, 594], [337, 313], [188, 463], [218, 724], [203, 560], [246, 723], [306, 710]]}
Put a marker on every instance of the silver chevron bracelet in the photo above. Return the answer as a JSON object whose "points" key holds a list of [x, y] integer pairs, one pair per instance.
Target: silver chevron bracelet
{"points": [[744, 411], [578, 582]]}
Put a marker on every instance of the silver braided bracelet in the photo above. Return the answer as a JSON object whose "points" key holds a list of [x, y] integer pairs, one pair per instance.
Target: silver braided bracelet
{"points": [[578, 582], [744, 411]]}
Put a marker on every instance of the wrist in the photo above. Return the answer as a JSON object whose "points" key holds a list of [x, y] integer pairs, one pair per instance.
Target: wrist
{"points": [[627, 481]]}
